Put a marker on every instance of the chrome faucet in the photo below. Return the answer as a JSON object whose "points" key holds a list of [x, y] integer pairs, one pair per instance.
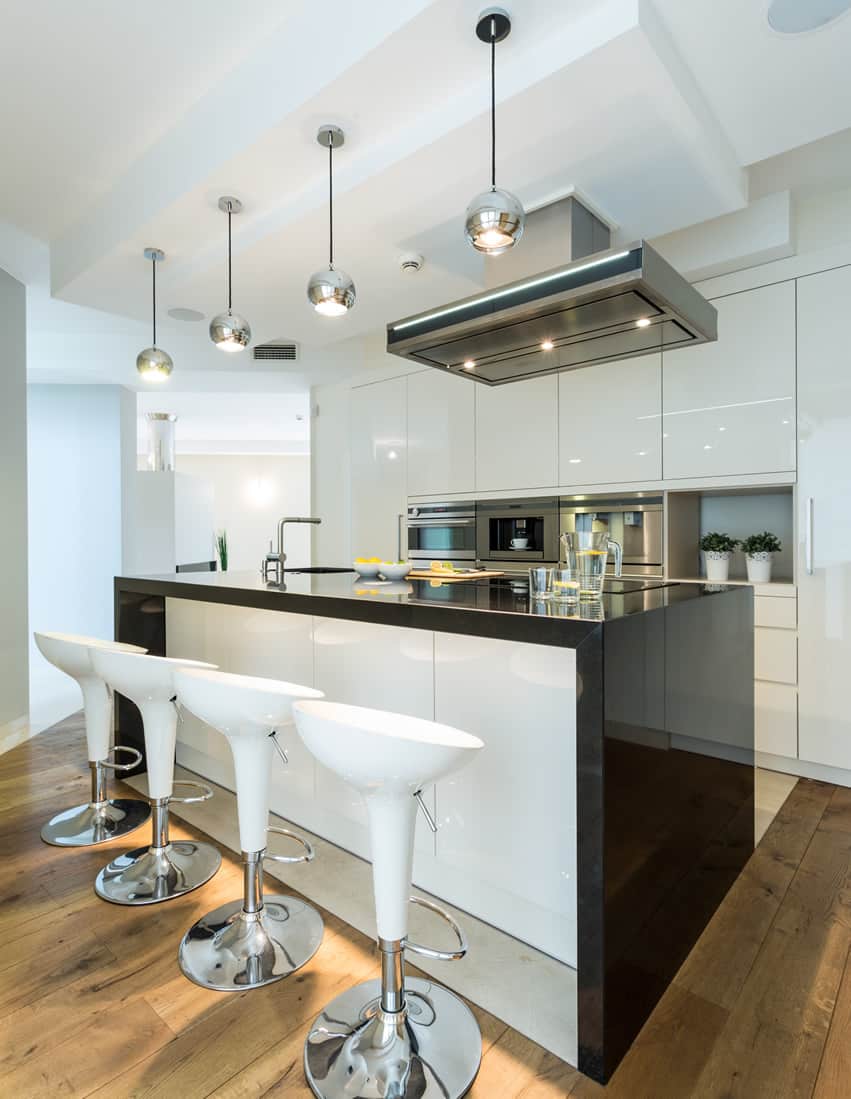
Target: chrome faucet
{"points": [[276, 560]]}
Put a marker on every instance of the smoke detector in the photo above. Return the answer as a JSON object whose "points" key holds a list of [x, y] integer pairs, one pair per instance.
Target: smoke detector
{"points": [[410, 263]]}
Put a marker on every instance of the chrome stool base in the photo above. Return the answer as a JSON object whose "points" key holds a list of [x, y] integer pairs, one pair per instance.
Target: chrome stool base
{"points": [[149, 875], [88, 825], [431, 1049], [231, 950]]}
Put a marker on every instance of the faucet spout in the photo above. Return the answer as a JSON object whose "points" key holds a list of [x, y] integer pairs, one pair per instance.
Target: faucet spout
{"points": [[282, 523]]}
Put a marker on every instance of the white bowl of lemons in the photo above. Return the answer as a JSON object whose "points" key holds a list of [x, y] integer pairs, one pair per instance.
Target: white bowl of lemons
{"points": [[367, 567], [394, 570]]}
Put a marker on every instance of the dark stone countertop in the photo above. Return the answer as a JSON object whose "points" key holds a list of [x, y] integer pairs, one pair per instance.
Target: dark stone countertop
{"points": [[489, 608]]}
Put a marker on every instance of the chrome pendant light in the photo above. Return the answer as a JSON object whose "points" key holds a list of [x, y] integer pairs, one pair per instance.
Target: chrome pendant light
{"points": [[229, 331], [495, 218], [153, 363], [331, 292]]}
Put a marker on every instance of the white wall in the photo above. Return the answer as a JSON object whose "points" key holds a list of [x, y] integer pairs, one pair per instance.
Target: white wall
{"points": [[252, 492], [13, 497], [77, 514]]}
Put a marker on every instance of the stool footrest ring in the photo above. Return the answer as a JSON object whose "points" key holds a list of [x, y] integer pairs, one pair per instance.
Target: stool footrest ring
{"points": [[306, 857], [205, 795], [430, 952], [113, 766]]}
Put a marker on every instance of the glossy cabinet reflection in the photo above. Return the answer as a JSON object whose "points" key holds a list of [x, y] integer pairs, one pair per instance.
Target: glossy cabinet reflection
{"points": [[729, 406], [378, 467], [517, 435], [441, 434], [824, 518], [610, 423]]}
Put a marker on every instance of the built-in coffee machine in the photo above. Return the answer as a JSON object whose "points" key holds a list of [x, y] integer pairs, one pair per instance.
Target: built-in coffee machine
{"points": [[517, 532]]}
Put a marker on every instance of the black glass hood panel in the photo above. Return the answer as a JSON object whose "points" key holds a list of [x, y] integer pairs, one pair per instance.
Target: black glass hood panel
{"points": [[613, 305]]}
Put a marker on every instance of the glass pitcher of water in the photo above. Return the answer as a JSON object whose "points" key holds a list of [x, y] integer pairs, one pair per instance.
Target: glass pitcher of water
{"points": [[586, 553]]}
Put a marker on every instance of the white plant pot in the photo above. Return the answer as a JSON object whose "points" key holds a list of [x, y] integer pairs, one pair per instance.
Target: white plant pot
{"points": [[717, 566], [759, 567]]}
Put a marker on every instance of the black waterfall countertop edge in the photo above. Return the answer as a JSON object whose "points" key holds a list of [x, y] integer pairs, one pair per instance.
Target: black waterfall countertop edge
{"points": [[486, 608]]}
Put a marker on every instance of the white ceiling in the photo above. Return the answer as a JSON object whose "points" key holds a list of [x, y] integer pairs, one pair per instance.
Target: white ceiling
{"points": [[133, 120]]}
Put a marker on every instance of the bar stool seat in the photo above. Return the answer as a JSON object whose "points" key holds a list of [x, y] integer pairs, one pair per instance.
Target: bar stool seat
{"points": [[164, 869], [103, 818], [405, 1038], [258, 939]]}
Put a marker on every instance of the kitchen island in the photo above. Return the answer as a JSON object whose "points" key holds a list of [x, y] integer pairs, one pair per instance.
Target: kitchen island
{"points": [[612, 806]]}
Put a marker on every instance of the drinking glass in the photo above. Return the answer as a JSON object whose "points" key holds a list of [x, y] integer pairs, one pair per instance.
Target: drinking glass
{"points": [[565, 586], [586, 553], [540, 583]]}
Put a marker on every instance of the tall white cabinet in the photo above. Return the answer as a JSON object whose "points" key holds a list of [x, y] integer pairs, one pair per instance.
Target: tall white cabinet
{"points": [[517, 434], [824, 518], [441, 434], [379, 453]]}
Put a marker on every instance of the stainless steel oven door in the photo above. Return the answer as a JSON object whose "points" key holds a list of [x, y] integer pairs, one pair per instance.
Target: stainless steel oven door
{"points": [[442, 532]]}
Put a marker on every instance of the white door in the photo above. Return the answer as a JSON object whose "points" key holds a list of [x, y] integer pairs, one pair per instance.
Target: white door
{"points": [[729, 406], [610, 422], [378, 468], [441, 434], [824, 518], [517, 435]]}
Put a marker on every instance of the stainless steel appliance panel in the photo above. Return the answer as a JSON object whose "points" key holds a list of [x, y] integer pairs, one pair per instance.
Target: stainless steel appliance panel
{"points": [[637, 524], [498, 522], [445, 532]]}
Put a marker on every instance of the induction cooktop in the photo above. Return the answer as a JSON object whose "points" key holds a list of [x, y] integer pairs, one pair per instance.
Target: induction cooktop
{"points": [[620, 586]]}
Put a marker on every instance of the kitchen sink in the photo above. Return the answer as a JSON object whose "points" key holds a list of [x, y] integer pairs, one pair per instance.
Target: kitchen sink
{"points": [[318, 570]]}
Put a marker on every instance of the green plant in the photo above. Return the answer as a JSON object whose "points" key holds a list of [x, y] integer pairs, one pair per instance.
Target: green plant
{"points": [[718, 543], [761, 543], [222, 549]]}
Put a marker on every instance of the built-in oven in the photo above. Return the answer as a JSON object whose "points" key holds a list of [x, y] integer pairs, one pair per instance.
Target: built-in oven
{"points": [[442, 532], [515, 533], [635, 522]]}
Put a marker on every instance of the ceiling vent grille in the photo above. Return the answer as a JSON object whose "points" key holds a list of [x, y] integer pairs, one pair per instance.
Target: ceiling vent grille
{"points": [[276, 352]]}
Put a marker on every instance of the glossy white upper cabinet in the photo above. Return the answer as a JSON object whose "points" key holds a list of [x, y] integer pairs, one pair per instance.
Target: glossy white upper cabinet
{"points": [[610, 422], [824, 518], [729, 406], [378, 467], [441, 434], [517, 435]]}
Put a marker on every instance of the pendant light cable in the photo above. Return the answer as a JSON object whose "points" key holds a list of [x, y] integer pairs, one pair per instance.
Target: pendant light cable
{"points": [[331, 202], [493, 104], [154, 297], [230, 293]]}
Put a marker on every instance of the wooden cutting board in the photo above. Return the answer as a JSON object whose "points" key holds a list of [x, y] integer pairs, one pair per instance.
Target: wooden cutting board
{"points": [[451, 577]]}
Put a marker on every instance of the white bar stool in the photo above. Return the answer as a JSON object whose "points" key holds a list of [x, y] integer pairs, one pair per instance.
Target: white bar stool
{"points": [[257, 939], [393, 1037], [163, 870], [103, 818]]}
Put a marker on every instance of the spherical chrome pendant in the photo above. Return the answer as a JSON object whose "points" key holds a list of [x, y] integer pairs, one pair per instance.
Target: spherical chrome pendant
{"points": [[494, 221], [154, 365], [230, 332], [331, 292]]}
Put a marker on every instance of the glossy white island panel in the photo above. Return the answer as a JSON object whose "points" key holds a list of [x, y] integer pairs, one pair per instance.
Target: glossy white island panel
{"points": [[501, 851]]}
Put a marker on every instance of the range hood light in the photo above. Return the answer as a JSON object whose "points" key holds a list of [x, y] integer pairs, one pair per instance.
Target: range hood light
{"points": [[469, 364], [642, 322], [495, 218], [547, 345]]}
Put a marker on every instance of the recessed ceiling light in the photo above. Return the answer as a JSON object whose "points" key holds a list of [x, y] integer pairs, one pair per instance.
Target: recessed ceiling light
{"points": [[800, 16], [642, 322], [185, 315], [469, 364], [547, 345]]}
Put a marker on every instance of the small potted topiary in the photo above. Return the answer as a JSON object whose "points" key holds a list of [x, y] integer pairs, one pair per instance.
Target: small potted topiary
{"points": [[759, 550], [717, 551]]}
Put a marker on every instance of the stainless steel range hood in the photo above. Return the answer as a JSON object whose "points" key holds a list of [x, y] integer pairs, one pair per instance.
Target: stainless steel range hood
{"points": [[615, 304]]}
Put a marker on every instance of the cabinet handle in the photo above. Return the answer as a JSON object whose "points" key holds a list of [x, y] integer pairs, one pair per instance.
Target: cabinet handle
{"points": [[808, 538], [399, 519]]}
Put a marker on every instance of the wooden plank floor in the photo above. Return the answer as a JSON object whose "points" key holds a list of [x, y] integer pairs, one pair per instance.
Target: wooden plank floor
{"points": [[92, 1002]]}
